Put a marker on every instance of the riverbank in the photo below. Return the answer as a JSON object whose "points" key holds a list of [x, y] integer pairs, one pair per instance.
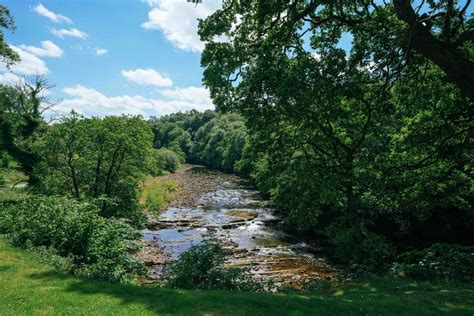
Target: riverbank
{"points": [[192, 181], [29, 287]]}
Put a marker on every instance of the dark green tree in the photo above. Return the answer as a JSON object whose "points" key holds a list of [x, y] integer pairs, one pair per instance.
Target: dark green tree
{"points": [[338, 133], [7, 54], [21, 109]]}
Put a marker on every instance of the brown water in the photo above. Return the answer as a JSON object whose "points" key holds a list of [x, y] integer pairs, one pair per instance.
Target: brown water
{"points": [[246, 225]]}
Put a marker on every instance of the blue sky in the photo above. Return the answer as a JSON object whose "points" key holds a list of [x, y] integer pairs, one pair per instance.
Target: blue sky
{"points": [[111, 57], [114, 56]]}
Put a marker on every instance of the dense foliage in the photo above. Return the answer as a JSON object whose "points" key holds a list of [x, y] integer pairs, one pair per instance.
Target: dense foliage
{"points": [[96, 158], [442, 262], [7, 54], [206, 138], [363, 144], [20, 118], [166, 160], [97, 247]]}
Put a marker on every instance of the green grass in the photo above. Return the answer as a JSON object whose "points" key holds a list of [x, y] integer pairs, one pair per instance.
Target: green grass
{"points": [[28, 287], [155, 194]]}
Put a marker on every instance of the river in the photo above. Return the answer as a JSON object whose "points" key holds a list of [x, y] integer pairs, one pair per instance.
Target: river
{"points": [[235, 214]]}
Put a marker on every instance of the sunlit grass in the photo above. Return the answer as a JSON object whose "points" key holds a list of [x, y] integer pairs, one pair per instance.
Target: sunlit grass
{"points": [[156, 194]]}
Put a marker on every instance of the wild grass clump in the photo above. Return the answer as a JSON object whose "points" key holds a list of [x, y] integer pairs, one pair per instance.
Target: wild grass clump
{"points": [[155, 196]]}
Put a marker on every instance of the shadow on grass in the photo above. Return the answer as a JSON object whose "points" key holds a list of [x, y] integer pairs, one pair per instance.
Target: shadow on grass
{"points": [[360, 300], [6, 267], [174, 301]]}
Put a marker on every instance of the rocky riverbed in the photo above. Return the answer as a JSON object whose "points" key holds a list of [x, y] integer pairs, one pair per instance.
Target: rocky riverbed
{"points": [[212, 204]]}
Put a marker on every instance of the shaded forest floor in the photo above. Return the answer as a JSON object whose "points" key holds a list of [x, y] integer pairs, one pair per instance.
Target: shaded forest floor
{"points": [[28, 286]]}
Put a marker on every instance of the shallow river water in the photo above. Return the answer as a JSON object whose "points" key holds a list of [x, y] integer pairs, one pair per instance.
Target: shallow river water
{"points": [[245, 224]]}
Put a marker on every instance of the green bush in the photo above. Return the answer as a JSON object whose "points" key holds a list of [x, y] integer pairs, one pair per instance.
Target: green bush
{"points": [[360, 248], [101, 248], [123, 204], [168, 160], [442, 262], [50, 257], [108, 252], [202, 267]]}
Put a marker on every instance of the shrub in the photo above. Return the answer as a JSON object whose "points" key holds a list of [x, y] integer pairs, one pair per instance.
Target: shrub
{"points": [[50, 257], [100, 247], [168, 160], [202, 267], [364, 250], [441, 262], [108, 252], [123, 204]]}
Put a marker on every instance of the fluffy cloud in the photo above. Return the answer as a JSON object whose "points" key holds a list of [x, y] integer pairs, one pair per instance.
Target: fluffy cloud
{"points": [[29, 64], [9, 79], [101, 51], [71, 32], [91, 102], [178, 21], [47, 49], [183, 99], [197, 95], [147, 77], [55, 17]]}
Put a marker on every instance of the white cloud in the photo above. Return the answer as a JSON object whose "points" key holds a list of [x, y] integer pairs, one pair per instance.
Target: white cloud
{"points": [[9, 79], [197, 95], [147, 77], [55, 17], [178, 21], [101, 51], [47, 49], [29, 64], [71, 32], [184, 99], [91, 102]]}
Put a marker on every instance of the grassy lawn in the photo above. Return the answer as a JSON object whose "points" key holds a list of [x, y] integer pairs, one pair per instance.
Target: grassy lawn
{"points": [[29, 287]]}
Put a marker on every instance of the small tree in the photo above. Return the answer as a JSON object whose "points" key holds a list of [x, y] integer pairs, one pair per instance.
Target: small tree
{"points": [[93, 158]]}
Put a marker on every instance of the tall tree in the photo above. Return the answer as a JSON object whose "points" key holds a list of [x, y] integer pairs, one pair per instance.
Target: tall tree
{"points": [[7, 54], [21, 109], [338, 132], [440, 31]]}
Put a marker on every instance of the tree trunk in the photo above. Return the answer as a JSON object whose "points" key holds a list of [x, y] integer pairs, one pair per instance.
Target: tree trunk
{"points": [[458, 68], [351, 204]]}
